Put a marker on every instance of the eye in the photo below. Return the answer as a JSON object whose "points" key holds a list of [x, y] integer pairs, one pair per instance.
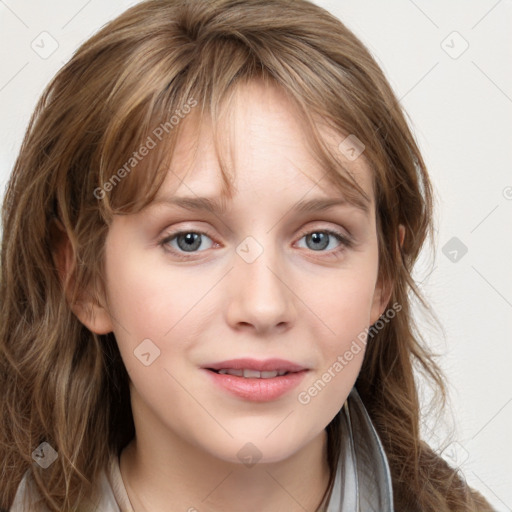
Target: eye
{"points": [[186, 241], [320, 239], [180, 243]]}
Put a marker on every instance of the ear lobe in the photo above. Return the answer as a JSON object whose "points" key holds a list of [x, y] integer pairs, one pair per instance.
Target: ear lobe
{"points": [[381, 298], [401, 234], [86, 308], [93, 315]]}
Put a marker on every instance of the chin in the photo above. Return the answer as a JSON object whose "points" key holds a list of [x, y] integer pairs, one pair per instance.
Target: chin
{"points": [[248, 451]]}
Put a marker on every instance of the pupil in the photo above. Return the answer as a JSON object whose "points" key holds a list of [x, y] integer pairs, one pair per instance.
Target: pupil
{"points": [[317, 239], [191, 241]]}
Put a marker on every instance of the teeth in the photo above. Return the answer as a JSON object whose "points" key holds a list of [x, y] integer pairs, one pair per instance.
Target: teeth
{"points": [[252, 374], [269, 375], [238, 373]]}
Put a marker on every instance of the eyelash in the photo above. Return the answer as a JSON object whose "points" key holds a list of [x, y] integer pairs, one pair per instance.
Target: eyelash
{"points": [[345, 241]]}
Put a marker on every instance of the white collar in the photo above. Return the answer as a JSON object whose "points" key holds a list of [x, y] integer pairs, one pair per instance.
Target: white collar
{"points": [[363, 479]]}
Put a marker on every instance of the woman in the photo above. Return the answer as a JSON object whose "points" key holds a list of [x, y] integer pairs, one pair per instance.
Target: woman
{"points": [[265, 374]]}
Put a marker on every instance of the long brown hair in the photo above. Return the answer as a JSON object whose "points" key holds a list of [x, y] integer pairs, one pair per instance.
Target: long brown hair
{"points": [[67, 386]]}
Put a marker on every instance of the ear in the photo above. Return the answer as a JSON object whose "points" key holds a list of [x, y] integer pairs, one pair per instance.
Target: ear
{"points": [[86, 308], [401, 234], [383, 290]]}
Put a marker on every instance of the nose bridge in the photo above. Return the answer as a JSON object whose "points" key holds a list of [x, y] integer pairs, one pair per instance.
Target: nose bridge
{"points": [[260, 295], [258, 261]]}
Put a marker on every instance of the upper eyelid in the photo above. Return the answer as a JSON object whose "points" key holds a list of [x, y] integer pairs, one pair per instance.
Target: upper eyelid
{"points": [[345, 237], [301, 232]]}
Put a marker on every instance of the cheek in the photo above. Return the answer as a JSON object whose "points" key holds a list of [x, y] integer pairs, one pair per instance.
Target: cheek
{"points": [[322, 395], [153, 324], [153, 301], [344, 305], [158, 313]]}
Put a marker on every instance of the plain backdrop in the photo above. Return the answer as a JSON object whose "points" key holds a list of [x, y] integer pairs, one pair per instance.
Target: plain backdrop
{"points": [[450, 65]]}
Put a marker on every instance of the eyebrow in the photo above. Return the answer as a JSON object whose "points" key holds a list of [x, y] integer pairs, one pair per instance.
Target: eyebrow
{"points": [[216, 207]]}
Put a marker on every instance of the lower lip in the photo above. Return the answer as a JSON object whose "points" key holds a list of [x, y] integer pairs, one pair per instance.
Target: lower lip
{"points": [[257, 390]]}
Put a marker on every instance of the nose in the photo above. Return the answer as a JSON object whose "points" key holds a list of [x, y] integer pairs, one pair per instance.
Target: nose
{"points": [[260, 298]]}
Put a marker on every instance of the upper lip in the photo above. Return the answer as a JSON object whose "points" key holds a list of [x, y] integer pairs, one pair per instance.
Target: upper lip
{"points": [[266, 365]]}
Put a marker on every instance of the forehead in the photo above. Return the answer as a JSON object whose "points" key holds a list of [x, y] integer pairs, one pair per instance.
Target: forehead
{"points": [[261, 140]]}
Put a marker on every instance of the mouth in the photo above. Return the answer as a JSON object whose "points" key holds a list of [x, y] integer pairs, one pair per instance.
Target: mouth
{"points": [[250, 374], [257, 381], [254, 368]]}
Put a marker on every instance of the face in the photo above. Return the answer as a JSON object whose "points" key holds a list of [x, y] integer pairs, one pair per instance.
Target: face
{"points": [[261, 287]]}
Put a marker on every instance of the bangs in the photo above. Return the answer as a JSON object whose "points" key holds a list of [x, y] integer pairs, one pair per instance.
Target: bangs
{"points": [[142, 136]]}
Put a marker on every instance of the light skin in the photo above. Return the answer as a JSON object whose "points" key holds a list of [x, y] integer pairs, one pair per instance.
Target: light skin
{"points": [[298, 300]]}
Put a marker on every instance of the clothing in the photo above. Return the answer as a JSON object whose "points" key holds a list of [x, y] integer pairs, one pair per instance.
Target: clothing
{"points": [[362, 483], [363, 480]]}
